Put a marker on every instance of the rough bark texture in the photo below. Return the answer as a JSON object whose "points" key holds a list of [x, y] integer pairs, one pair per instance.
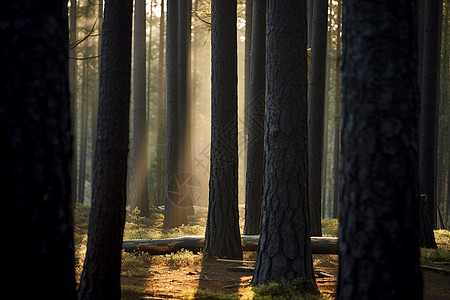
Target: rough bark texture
{"points": [[379, 213], [316, 108], [175, 214], [35, 156], [319, 245], [428, 122], [222, 227], [101, 272], [285, 247], [255, 156], [138, 193]]}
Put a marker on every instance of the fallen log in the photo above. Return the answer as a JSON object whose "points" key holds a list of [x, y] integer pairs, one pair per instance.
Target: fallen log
{"points": [[194, 243]]}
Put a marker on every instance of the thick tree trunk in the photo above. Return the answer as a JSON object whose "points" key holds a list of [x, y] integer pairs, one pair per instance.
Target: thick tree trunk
{"points": [[284, 251], [222, 227], [101, 272], [379, 213], [316, 108], [35, 156], [319, 245], [255, 156], [428, 122], [184, 105], [138, 193], [175, 214]]}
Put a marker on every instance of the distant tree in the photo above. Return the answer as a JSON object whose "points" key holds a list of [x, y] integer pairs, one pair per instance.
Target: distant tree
{"points": [[428, 121], [257, 104], [161, 144], [101, 272], [284, 250], [35, 156], [138, 192], [222, 237], [316, 108], [184, 105], [379, 212], [175, 214]]}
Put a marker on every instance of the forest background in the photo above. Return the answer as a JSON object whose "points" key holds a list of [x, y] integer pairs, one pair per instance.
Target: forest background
{"points": [[84, 59]]}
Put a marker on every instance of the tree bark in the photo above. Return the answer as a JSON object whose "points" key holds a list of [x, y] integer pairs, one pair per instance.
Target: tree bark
{"points": [[36, 151], [257, 104], [184, 105], [428, 122], [319, 245], [316, 108], [175, 214], [284, 251], [379, 213], [222, 227], [138, 192], [101, 272], [161, 146]]}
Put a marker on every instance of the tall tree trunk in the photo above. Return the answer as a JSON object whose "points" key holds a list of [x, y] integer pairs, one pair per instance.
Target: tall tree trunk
{"points": [[379, 213], [316, 108], [247, 71], [428, 121], [222, 238], [139, 148], [284, 250], [101, 272], [184, 105], [175, 214], [73, 91], [161, 145], [35, 157], [337, 113], [257, 104], [83, 133]]}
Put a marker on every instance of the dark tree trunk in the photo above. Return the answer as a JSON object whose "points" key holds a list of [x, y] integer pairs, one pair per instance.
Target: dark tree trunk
{"points": [[175, 214], [337, 112], [101, 272], [161, 146], [285, 247], [222, 227], [184, 106], [138, 192], [316, 108], [35, 156], [247, 71], [428, 122], [255, 156], [379, 213]]}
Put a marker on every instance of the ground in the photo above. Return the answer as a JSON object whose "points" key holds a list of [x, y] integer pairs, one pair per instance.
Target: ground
{"points": [[185, 275]]}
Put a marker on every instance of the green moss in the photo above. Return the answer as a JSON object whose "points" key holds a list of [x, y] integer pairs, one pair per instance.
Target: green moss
{"points": [[330, 227], [208, 294], [300, 288], [434, 255]]}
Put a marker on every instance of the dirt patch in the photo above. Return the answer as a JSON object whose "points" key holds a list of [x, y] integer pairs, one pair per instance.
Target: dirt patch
{"points": [[184, 282]]}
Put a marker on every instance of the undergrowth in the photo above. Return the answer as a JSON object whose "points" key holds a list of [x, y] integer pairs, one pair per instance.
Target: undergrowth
{"points": [[300, 288]]}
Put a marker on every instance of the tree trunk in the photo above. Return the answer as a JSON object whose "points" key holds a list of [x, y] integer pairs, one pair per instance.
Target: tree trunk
{"points": [[337, 113], [379, 213], [222, 227], [36, 151], [247, 75], [175, 214], [161, 146], [284, 251], [316, 108], [319, 245], [101, 272], [428, 121], [139, 149], [73, 92], [255, 156], [184, 106]]}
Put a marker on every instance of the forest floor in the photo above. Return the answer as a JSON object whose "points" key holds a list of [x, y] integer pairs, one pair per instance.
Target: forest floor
{"points": [[185, 275]]}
